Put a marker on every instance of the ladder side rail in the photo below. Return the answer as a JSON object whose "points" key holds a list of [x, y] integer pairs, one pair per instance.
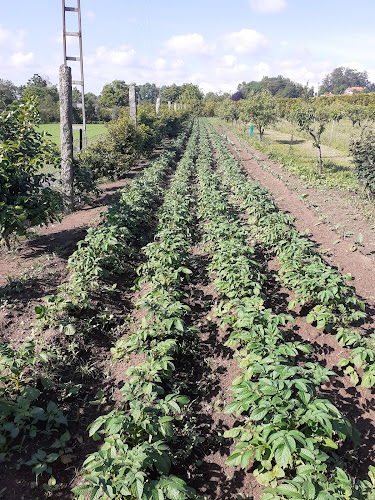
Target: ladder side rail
{"points": [[82, 77], [64, 30]]}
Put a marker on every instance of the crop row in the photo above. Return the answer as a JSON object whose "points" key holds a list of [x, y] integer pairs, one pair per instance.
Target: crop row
{"points": [[31, 397], [135, 460], [332, 303], [105, 250], [289, 431]]}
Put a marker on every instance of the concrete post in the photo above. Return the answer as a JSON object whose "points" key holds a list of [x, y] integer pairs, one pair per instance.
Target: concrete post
{"points": [[157, 105], [175, 106], [66, 135], [133, 104], [169, 105]]}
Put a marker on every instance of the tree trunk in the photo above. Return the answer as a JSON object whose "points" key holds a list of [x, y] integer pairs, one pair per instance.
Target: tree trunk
{"points": [[291, 141], [7, 242], [320, 159], [260, 134], [319, 151]]}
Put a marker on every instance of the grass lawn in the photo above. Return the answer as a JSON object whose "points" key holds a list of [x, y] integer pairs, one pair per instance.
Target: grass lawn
{"points": [[92, 130], [301, 159]]}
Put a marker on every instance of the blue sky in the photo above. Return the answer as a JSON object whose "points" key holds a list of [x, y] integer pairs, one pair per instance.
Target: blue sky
{"points": [[215, 44]]}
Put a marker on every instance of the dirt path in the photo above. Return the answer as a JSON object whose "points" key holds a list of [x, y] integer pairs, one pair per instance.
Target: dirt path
{"points": [[40, 264], [335, 244], [357, 403]]}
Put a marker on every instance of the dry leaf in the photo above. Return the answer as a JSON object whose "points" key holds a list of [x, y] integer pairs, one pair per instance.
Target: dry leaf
{"points": [[67, 459]]}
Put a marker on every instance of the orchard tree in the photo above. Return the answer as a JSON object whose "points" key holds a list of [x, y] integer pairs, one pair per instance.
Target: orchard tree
{"points": [[337, 113], [312, 120], [260, 109], [228, 110], [356, 113], [27, 197]]}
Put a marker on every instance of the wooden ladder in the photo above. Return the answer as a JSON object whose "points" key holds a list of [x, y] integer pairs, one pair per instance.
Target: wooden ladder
{"points": [[80, 82]]}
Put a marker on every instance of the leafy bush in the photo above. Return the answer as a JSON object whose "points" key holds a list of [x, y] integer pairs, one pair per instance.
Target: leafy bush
{"points": [[116, 152], [363, 152], [27, 197]]}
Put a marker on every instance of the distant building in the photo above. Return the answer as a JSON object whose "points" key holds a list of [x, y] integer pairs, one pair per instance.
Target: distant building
{"points": [[327, 94], [353, 90]]}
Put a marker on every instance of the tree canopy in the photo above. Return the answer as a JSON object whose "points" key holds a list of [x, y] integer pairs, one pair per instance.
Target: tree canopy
{"points": [[115, 93], [278, 86], [341, 78]]}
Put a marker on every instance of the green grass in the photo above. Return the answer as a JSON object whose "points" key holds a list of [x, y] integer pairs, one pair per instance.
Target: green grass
{"points": [[92, 130], [301, 161], [337, 137]]}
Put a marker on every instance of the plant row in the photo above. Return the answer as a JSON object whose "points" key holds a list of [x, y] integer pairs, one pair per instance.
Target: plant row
{"points": [[331, 302], [135, 460], [106, 249], [30, 396], [288, 431]]}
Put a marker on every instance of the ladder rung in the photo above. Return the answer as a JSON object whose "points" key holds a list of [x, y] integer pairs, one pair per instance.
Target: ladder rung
{"points": [[71, 9], [72, 33], [77, 105], [77, 82], [77, 127], [71, 58]]}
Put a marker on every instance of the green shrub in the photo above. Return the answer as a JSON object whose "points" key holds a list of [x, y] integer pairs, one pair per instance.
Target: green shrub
{"points": [[363, 151], [114, 154], [27, 197]]}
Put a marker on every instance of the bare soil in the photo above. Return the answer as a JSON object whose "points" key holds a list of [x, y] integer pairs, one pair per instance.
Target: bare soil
{"points": [[39, 265], [357, 403]]}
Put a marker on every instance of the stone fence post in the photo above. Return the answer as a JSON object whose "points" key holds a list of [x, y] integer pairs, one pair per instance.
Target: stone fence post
{"points": [[133, 104], [66, 135]]}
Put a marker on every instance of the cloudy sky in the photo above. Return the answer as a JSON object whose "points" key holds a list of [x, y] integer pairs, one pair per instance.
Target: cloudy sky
{"points": [[214, 43]]}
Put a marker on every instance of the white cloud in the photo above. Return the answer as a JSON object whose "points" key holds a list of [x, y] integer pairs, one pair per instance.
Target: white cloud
{"points": [[160, 63], [12, 39], [267, 6], [262, 69], [246, 41], [121, 56], [90, 15], [19, 59], [228, 60], [193, 43]]}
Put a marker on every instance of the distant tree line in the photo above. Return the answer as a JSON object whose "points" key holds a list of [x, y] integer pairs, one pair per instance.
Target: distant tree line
{"points": [[341, 78], [277, 86], [115, 95]]}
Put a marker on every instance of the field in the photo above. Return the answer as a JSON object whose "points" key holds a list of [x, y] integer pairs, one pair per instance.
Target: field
{"points": [[53, 129], [210, 339]]}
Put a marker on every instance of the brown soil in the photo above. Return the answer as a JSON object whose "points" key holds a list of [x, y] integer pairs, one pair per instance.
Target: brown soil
{"points": [[208, 372], [357, 403], [34, 270]]}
